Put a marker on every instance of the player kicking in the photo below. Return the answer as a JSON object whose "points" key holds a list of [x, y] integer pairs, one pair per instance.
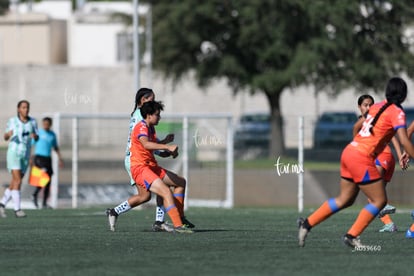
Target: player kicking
{"points": [[151, 177]]}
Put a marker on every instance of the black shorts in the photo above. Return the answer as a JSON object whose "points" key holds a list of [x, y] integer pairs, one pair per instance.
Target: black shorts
{"points": [[44, 162]]}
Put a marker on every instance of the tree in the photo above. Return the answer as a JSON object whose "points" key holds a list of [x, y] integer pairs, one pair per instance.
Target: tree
{"points": [[267, 46], [4, 6]]}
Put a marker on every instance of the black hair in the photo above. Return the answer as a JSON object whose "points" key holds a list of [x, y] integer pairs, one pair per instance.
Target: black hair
{"points": [[363, 97], [395, 93], [149, 108], [48, 119], [22, 102], [141, 93]]}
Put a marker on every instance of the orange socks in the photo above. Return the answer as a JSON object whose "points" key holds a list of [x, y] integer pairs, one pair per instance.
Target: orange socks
{"points": [[386, 219], [412, 227], [179, 202], [172, 211], [328, 208], [367, 214]]}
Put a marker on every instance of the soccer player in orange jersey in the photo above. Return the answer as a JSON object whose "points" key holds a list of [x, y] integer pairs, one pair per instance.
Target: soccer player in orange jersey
{"points": [[142, 96], [149, 175], [385, 162], [358, 170]]}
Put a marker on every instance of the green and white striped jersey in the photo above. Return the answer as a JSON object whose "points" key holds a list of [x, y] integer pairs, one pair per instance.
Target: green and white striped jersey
{"points": [[20, 141]]}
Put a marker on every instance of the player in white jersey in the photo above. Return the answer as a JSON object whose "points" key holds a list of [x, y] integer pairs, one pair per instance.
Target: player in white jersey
{"points": [[144, 95], [19, 132]]}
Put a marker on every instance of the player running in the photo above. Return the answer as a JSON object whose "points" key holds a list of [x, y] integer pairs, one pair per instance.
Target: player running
{"points": [[385, 162], [19, 131], [358, 170]]}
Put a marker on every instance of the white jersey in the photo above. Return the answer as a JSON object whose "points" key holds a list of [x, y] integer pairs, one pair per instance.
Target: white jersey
{"points": [[135, 119], [20, 141]]}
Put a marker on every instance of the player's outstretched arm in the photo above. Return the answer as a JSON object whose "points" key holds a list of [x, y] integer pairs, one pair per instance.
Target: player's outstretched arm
{"points": [[405, 141], [410, 130]]}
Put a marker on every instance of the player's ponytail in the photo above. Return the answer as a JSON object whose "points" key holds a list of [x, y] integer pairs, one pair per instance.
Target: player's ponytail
{"points": [[382, 109], [395, 93], [141, 93]]}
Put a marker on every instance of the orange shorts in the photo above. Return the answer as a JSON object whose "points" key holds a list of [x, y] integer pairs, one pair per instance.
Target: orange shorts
{"points": [[387, 161], [358, 167], [145, 175]]}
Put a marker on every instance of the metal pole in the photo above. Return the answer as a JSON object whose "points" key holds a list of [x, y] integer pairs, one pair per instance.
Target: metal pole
{"points": [[300, 161], [136, 44], [55, 165], [185, 158], [149, 45], [230, 165], [75, 162]]}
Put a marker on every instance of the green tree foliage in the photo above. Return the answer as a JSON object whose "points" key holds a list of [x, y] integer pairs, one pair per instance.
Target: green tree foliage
{"points": [[269, 45], [4, 6]]}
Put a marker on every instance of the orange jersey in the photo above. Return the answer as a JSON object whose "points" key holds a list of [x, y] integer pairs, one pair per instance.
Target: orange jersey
{"points": [[390, 120], [139, 155], [387, 149]]}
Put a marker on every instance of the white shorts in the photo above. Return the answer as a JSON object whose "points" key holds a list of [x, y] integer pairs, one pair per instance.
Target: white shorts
{"points": [[17, 162]]}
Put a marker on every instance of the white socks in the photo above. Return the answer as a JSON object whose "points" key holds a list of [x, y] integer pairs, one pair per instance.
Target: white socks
{"points": [[159, 214], [15, 195], [122, 208], [6, 197]]}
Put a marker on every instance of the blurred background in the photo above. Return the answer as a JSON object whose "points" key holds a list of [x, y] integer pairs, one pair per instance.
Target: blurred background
{"points": [[235, 78]]}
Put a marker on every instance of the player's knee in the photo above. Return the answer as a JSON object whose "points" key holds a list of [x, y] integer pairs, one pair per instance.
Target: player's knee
{"points": [[342, 202], [380, 203]]}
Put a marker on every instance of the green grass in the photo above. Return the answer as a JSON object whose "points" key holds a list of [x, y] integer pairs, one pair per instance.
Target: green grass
{"points": [[242, 241]]}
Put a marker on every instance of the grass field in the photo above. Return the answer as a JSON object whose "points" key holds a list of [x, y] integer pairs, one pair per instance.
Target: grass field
{"points": [[242, 241]]}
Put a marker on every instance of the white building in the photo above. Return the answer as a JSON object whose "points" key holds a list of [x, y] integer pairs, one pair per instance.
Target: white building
{"points": [[97, 38]]}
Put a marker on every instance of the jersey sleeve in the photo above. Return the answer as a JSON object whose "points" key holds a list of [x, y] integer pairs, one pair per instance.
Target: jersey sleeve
{"points": [[398, 118], [140, 130]]}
